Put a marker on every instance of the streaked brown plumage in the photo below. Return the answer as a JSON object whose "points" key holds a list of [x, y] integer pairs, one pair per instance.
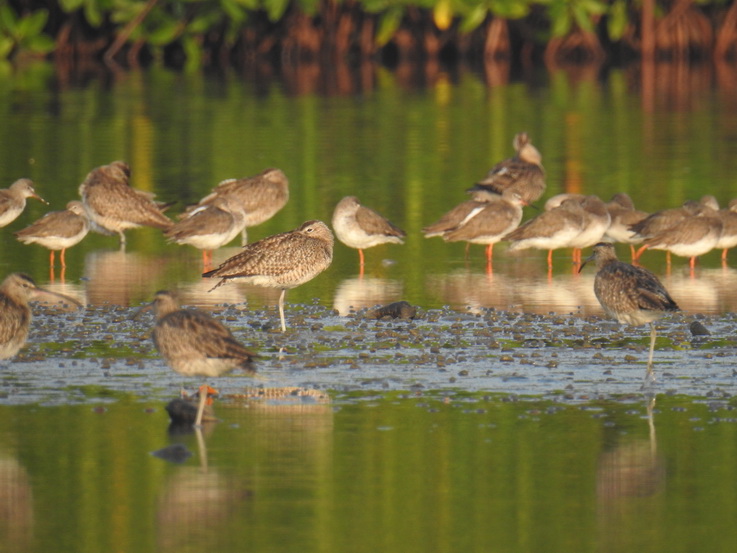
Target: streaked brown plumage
{"points": [[261, 196], [15, 314], [58, 230], [523, 173], [282, 261], [629, 294], [195, 344], [114, 207], [13, 200], [360, 227]]}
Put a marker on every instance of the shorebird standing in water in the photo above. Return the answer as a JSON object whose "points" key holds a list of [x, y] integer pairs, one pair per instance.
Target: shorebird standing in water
{"points": [[209, 226], [13, 200], [114, 207], [261, 196], [629, 294], [485, 220], [282, 261], [58, 230], [361, 227], [15, 314], [195, 344], [522, 173]]}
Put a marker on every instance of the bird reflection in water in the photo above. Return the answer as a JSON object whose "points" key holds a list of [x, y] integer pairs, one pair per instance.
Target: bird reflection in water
{"points": [[198, 504], [627, 475], [354, 294], [121, 278], [16, 505], [564, 293]]}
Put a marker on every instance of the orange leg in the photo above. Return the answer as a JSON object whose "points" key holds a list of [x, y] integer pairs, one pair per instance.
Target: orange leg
{"points": [[360, 257], [639, 252], [51, 258], [63, 259], [550, 259], [489, 257]]}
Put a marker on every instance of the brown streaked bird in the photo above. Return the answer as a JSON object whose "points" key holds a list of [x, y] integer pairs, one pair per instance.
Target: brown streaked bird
{"points": [[194, 344], [281, 261], [209, 226], [114, 207], [15, 314], [629, 294], [13, 200], [360, 227], [523, 173], [480, 222], [58, 230], [261, 196], [622, 211]]}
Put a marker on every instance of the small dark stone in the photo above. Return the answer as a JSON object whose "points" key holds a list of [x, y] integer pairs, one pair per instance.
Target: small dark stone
{"points": [[396, 310], [698, 329]]}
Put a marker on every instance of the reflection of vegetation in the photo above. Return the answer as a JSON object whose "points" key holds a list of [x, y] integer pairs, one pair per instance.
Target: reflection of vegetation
{"points": [[210, 30]]}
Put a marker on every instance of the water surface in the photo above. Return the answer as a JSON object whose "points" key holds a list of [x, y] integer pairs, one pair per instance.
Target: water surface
{"points": [[512, 420]]}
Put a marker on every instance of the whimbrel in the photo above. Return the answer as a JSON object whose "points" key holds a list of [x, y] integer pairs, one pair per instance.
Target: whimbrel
{"points": [[283, 260]]}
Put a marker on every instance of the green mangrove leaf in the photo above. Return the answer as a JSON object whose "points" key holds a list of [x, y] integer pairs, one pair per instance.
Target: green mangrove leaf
{"points": [[8, 19], [71, 5], [6, 46], [510, 9], [473, 19], [583, 18], [166, 33], [33, 24], [92, 13], [233, 10], [617, 20], [388, 24], [39, 44], [276, 8], [310, 7]]}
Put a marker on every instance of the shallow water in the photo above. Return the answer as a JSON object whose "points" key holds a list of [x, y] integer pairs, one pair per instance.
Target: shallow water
{"points": [[507, 416]]}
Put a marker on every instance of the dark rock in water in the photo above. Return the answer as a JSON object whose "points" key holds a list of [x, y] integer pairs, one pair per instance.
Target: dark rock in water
{"points": [[396, 310], [175, 453], [184, 411], [697, 329]]}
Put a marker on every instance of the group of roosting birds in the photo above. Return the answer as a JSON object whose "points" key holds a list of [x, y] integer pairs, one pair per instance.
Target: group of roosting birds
{"points": [[195, 344]]}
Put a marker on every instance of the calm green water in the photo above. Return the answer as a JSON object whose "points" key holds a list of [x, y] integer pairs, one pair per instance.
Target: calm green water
{"points": [[453, 472], [408, 152], [441, 471]]}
